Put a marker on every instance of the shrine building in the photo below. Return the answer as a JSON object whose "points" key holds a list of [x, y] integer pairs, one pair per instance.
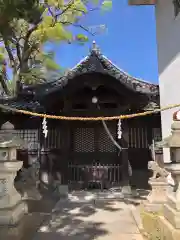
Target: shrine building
{"points": [[94, 87]]}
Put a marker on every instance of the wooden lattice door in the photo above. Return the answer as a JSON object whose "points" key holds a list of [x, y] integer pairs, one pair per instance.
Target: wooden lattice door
{"points": [[90, 143], [94, 157]]}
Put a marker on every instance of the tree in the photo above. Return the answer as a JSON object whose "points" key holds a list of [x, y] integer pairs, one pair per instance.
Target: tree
{"points": [[27, 25]]}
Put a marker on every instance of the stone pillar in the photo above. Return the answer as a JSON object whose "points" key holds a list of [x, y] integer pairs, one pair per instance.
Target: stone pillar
{"points": [[158, 182], [170, 221], [11, 206]]}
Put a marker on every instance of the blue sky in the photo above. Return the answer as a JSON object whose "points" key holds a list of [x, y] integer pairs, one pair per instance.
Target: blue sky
{"points": [[129, 42]]}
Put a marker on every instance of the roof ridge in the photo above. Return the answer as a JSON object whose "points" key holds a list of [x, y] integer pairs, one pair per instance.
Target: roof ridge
{"points": [[136, 84], [96, 50]]}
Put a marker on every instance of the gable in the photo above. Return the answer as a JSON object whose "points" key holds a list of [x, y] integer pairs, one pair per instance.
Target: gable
{"points": [[97, 62]]}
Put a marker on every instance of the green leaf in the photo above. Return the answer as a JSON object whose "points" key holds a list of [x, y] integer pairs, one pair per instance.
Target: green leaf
{"points": [[58, 33], [2, 50], [106, 5], [11, 86], [33, 76], [48, 20], [1, 58], [50, 64], [95, 2], [81, 38]]}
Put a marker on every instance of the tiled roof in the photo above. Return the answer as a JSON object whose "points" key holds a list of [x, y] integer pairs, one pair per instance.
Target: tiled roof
{"points": [[32, 105], [95, 62]]}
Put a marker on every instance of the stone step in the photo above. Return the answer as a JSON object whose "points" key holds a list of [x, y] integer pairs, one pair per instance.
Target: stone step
{"points": [[86, 197], [90, 195]]}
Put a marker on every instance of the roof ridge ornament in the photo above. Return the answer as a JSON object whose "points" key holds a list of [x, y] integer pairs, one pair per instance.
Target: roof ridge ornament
{"points": [[94, 48]]}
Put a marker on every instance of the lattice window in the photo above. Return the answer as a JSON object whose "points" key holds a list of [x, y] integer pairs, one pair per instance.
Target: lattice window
{"points": [[84, 140], [104, 142], [30, 136]]}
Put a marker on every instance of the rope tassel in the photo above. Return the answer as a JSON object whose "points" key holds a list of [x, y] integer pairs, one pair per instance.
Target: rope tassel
{"points": [[44, 127], [119, 130]]}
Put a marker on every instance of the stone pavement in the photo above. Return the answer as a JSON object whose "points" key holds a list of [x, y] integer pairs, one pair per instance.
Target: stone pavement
{"points": [[91, 220]]}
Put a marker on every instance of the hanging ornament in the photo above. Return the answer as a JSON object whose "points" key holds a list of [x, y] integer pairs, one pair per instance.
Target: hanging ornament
{"points": [[44, 127], [119, 130]]}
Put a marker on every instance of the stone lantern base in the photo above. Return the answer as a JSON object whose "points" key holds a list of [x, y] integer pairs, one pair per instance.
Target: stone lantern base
{"points": [[12, 216], [170, 221], [12, 208], [157, 196], [167, 230], [171, 211], [172, 207]]}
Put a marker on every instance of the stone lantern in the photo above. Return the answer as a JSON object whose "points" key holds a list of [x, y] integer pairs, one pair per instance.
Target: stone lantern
{"points": [[11, 206], [172, 207]]}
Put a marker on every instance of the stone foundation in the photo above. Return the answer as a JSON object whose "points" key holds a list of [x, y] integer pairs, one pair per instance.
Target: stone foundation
{"points": [[12, 216], [157, 197], [172, 216], [172, 211], [168, 232], [152, 207], [158, 193]]}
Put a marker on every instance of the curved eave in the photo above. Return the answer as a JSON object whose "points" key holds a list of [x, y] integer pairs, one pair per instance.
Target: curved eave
{"points": [[35, 106], [136, 84], [31, 105]]}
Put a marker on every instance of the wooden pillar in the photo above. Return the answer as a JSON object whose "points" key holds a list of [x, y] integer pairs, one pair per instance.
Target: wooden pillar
{"points": [[126, 167], [125, 163], [66, 143], [65, 136]]}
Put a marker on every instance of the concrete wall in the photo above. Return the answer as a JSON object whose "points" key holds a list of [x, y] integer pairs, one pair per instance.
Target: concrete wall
{"points": [[168, 40]]}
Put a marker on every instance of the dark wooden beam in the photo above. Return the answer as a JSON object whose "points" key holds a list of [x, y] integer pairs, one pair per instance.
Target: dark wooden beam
{"points": [[142, 2]]}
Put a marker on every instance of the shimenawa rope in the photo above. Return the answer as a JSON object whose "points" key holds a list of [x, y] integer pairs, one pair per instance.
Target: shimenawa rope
{"points": [[5, 107]]}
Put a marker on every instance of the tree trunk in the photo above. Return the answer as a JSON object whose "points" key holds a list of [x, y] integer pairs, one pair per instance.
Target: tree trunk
{"points": [[4, 85]]}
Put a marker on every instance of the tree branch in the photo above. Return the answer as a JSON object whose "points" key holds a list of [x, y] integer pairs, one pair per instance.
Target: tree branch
{"points": [[18, 52], [11, 57], [80, 26]]}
